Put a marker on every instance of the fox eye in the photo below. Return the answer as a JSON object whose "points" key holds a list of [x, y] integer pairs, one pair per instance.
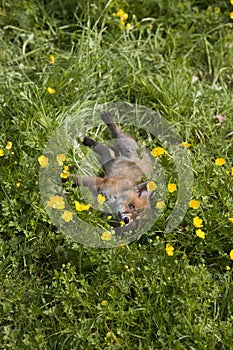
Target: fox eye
{"points": [[126, 220], [131, 207]]}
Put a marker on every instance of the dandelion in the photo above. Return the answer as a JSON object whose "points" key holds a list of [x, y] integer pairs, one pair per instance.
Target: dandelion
{"points": [[60, 159], [104, 303], [231, 15], [197, 222], [51, 59], [106, 236], [158, 151], [169, 249], [56, 202], [44, 161], [220, 161], [194, 204], [81, 207], [186, 144], [9, 145], [200, 233], [151, 186], [67, 216], [231, 1], [1, 153], [101, 199], [231, 254], [171, 188], [51, 91]]}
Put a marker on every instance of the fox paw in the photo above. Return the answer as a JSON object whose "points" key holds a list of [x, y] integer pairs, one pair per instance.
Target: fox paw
{"points": [[106, 116], [87, 141]]}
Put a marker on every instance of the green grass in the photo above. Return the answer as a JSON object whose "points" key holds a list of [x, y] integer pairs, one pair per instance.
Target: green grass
{"points": [[176, 59]]}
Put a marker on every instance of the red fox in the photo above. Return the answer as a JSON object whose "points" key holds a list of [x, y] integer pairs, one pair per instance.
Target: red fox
{"points": [[125, 194]]}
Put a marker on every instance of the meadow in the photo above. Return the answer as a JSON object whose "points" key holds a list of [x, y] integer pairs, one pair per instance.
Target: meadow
{"points": [[166, 290]]}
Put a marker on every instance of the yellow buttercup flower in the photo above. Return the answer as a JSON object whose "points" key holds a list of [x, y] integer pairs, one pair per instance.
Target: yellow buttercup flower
{"points": [[65, 173], [220, 161], [194, 204], [160, 205], [231, 254], [217, 9], [151, 186], [81, 207], [61, 158], [231, 220], [67, 216], [171, 188], [232, 171], [51, 59], [106, 236], [51, 91], [1, 153], [9, 145], [120, 13], [44, 161], [200, 233], [158, 151], [101, 199], [122, 223], [122, 21], [169, 249], [128, 26], [231, 15], [231, 1], [186, 144], [123, 16], [56, 202], [104, 303], [197, 222]]}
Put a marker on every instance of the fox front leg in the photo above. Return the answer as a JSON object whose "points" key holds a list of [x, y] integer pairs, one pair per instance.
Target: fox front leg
{"points": [[106, 154], [92, 182]]}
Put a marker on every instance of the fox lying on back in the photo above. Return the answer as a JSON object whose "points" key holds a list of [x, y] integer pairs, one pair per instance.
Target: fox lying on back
{"points": [[126, 196]]}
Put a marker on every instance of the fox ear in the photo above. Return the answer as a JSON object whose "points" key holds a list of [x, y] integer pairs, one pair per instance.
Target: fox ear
{"points": [[145, 189]]}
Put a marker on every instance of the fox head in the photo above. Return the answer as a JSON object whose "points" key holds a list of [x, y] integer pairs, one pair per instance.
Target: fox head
{"points": [[131, 204]]}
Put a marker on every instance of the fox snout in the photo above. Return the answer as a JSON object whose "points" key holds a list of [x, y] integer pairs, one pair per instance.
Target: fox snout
{"points": [[131, 205]]}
